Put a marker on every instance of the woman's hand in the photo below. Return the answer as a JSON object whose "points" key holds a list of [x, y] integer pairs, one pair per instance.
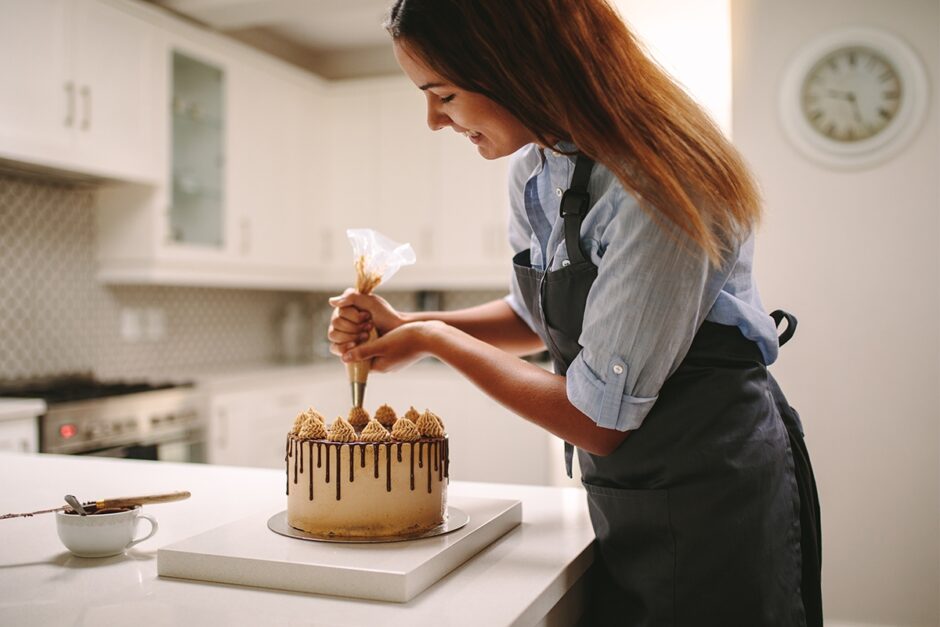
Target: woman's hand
{"points": [[355, 315], [399, 347]]}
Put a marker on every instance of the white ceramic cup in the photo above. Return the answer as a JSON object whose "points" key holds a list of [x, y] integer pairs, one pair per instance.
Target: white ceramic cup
{"points": [[102, 535]]}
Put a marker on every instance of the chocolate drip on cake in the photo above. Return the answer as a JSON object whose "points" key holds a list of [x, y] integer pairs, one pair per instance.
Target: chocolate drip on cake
{"points": [[310, 470], [352, 465], [388, 467], [433, 457], [327, 463], [339, 477], [375, 453], [287, 462], [429, 467], [295, 461]]}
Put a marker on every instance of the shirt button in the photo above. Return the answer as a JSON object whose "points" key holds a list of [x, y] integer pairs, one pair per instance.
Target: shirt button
{"points": [[559, 192], [618, 369]]}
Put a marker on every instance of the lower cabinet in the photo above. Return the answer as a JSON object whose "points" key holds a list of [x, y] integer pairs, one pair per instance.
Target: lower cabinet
{"points": [[19, 436], [248, 427], [487, 442]]}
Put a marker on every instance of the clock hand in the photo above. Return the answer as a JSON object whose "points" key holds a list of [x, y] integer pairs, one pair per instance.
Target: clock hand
{"points": [[858, 114]]}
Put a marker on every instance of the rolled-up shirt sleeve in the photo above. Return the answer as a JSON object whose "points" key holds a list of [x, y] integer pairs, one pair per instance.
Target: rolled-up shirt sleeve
{"points": [[652, 293]]}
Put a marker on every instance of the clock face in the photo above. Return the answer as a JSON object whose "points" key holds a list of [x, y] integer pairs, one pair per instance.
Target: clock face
{"points": [[851, 94]]}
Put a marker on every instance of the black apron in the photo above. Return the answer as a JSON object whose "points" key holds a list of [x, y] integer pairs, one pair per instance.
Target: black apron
{"points": [[707, 514]]}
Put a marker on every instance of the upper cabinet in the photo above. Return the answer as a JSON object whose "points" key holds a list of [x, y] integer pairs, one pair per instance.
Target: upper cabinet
{"points": [[390, 172], [234, 205], [224, 167], [78, 88]]}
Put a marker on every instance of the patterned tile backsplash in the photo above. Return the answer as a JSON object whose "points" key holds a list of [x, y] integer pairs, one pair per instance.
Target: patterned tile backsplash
{"points": [[56, 318]]}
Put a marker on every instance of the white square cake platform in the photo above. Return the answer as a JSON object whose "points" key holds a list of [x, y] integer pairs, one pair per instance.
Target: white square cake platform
{"points": [[247, 553]]}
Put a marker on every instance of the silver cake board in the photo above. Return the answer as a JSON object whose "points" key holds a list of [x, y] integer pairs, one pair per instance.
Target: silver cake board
{"points": [[248, 553]]}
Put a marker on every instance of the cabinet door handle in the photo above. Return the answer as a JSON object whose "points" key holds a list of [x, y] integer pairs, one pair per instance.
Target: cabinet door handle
{"points": [[86, 97], [69, 104]]}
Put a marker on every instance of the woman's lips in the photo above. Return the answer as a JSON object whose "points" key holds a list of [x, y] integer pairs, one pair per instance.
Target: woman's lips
{"points": [[473, 136]]}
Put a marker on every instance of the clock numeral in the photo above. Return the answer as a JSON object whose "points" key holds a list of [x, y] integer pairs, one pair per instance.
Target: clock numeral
{"points": [[891, 95], [884, 113]]}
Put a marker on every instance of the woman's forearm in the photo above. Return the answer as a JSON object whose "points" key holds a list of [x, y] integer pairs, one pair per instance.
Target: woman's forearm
{"points": [[526, 389], [494, 323]]}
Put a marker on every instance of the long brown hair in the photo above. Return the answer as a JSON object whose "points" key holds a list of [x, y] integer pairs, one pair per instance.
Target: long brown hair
{"points": [[572, 70]]}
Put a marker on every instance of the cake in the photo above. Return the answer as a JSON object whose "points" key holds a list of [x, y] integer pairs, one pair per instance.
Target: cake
{"points": [[367, 477]]}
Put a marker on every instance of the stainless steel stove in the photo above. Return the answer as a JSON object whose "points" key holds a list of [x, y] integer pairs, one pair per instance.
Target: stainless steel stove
{"points": [[131, 419]]}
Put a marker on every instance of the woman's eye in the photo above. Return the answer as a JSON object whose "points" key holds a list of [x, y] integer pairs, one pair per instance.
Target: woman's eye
{"points": [[446, 99]]}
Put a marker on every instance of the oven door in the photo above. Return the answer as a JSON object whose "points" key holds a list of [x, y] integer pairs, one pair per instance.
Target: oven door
{"points": [[186, 449]]}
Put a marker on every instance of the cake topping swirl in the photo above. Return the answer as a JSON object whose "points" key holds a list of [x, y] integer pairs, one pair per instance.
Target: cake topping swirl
{"points": [[358, 417], [298, 423], [386, 415], [405, 431], [375, 432], [312, 429], [314, 414], [430, 425], [341, 431], [412, 414]]}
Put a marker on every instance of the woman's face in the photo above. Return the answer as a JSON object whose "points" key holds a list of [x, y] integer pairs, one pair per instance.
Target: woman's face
{"points": [[494, 130]]}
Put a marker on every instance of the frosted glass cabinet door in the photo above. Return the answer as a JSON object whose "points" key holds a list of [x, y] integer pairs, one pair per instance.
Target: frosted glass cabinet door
{"points": [[197, 114]]}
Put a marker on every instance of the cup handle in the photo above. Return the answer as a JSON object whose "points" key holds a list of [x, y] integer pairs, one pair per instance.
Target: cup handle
{"points": [[153, 529]]}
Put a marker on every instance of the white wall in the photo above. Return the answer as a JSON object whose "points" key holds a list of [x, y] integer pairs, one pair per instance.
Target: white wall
{"points": [[690, 39], [855, 256]]}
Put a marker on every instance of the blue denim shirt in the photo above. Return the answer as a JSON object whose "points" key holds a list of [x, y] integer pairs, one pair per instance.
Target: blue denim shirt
{"points": [[653, 289]]}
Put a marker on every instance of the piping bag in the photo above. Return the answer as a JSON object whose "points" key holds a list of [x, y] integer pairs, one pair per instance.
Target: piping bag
{"points": [[377, 259]]}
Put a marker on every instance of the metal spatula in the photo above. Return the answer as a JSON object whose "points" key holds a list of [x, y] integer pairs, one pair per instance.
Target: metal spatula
{"points": [[123, 501]]}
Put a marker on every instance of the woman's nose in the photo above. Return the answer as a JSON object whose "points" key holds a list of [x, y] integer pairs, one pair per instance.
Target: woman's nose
{"points": [[436, 119]]}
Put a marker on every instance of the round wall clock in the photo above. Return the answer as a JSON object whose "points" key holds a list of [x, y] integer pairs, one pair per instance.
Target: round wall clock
{"points": [[853, 98]]}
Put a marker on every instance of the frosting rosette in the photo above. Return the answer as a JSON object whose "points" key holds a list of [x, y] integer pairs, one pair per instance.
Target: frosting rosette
{"points": [[341, 431], [314, 414], [405, 431], [298, 423], [358, 417], [412, 414], [375, 432], [386, 415], [312, 429], [430, 425]]}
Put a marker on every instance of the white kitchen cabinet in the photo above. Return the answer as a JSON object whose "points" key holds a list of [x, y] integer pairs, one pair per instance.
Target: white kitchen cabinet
{"points": [[432, 189], [249, 427], [276, 180], [77, 88], [19, 436], [250, 203]]}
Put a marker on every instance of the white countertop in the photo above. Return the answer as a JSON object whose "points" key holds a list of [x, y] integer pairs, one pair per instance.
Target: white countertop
{"points": [[515, 581], [20, 408]]}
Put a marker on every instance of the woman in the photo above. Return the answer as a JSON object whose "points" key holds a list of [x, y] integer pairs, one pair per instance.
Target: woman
{"points": [[632, 221]]}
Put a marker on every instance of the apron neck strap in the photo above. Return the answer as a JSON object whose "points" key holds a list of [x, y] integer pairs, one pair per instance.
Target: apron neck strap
{"points": [[575, 203]]}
